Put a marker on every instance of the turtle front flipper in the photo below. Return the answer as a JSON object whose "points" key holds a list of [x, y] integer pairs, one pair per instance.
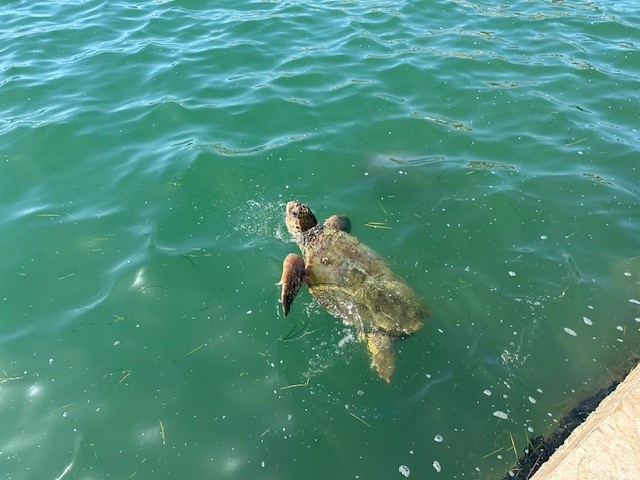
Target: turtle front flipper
{"points": [[338, 222], [292, 277], [383, 358]]}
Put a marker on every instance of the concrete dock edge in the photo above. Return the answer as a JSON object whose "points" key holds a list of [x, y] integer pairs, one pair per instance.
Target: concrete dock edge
{"points": [[606, 446]]}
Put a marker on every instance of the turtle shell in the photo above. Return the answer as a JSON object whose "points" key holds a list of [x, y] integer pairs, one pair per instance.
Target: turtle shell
{"points": [[354, 283]]}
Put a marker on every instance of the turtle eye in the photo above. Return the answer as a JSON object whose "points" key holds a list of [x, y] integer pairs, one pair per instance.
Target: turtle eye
{"points": [[294, 212]]}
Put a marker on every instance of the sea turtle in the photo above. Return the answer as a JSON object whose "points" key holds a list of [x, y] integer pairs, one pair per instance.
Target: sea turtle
{"points": [[352, 282]]}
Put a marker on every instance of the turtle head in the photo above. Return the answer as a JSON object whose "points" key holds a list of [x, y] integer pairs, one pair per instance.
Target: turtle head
{"points": [[299, 218]]}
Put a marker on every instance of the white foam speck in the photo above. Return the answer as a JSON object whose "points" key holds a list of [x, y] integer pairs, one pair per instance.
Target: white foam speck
{"points": [[570, 332], [627, 274], [512, 273], [487, 392], [587, 321], [500, 414], [620, 327], [532, 400]]}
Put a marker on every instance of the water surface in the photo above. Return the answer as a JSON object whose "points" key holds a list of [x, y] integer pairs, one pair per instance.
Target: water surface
{"points": [[146, 154]]}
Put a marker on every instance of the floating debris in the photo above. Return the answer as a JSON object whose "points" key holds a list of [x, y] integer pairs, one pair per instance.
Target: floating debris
{"points": [[361, 420], [404, 470], [378, 225], [505, 84], [456, 125], [438, 438], [570, 332], [126, 374], [295, 332], [484, 165], [588, 321], [500, 414], [305, 384], [596, 178], [162, 435], [187, 354], [436, 466], [33, 390]]}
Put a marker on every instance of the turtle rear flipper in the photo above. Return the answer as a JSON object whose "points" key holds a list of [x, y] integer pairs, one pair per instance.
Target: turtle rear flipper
{"points": [[292, 277], [383, 358]]}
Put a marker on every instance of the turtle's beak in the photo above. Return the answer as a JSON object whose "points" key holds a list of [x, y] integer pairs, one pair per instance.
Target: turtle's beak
{"points": [[291, 219], [293, 209]]}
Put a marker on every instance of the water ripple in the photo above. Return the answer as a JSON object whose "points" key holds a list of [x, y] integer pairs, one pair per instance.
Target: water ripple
{"points": [[146, 152]]}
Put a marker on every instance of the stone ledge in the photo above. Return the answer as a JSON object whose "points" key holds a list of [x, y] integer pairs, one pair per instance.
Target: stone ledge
{"points": [[607, 445]]}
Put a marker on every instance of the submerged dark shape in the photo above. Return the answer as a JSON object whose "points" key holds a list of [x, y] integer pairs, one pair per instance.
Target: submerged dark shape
{"points": [[352, 282]]}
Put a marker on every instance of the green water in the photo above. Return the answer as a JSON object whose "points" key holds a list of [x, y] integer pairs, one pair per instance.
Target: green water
{"points": [[146, 153]]}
